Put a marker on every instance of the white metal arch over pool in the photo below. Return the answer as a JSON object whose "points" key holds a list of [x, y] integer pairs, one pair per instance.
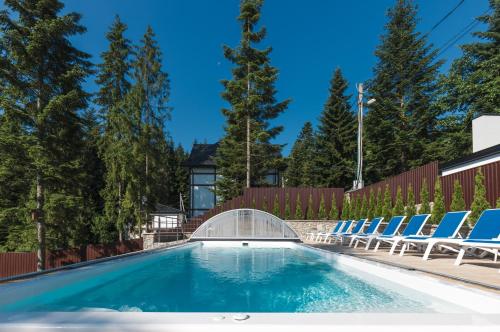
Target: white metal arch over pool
{"points": [[244, 224]]}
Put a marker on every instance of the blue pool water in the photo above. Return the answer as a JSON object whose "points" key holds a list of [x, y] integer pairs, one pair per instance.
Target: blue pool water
{"points": [[210, 279]]}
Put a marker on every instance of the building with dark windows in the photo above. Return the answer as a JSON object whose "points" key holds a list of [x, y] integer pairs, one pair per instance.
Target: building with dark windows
{"points": [[203, 175]]}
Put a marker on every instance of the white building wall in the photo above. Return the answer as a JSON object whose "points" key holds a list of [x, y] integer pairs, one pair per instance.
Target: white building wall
{"points": [[485, 132]]}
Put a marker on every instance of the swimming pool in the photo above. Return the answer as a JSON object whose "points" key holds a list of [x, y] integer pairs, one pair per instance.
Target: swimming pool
{"points": [[235, 277]]}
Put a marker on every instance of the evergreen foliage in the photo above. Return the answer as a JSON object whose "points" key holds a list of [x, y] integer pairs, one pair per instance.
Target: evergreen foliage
{"points": [[276, 206], [402, 121], [399, 206], [498, 203], [346, 208], [410, 209], [41, 102], [334, 211], [310, 213], [322, 215], [264, 204], [457, 200], [470, 89], [479, 203], [387, 207], [380, 203], [301, 170], [438, 208], [288, 213], [253, 106], [299, 215], [336, 138], [370, 213], [364, 208], [425, 206]]}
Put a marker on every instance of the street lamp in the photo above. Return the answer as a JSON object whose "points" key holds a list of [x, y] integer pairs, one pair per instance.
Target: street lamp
{"points": [[358, 182]]}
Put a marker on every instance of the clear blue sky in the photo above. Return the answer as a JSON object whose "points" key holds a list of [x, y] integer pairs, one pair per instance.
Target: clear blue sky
{"points": [[310, 38]]}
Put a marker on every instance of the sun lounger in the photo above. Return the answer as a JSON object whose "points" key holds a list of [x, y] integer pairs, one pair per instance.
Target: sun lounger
{"points": [[390, 230]]}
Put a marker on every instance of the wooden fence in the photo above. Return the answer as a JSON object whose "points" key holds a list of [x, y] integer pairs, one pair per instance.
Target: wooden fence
{"points": [[14, 263]]}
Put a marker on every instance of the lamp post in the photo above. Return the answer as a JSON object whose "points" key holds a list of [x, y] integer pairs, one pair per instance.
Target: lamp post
{"points": [[358, 182]]}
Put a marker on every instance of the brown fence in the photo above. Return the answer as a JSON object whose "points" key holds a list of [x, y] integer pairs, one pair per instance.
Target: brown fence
{"points": [[14, 263], [430, 172], [263, 199], [491, 174], [414, 177]]}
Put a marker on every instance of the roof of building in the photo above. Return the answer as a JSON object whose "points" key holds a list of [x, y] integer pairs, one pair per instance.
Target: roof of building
{"points": [[479, 155], [202, 155], [164, 209]]}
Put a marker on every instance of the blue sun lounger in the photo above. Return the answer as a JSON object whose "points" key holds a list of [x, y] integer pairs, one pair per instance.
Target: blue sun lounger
{"points": [[372, 229], [414, 227], [357, 229], [390, 230], [484, 236], [335, 230], [346, 228], [445, 234]]}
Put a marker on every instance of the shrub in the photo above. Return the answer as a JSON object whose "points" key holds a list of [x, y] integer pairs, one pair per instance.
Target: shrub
{"points": [[346, 208], [410, 209], [287, 207], [387, 207], [334, 211], [299, 215], [438, 210], [379, 204], [457, 200], [479, 203], [322, 208], [425, 207], [276, 206], [370, 213], [399, 207], [310, 208]]}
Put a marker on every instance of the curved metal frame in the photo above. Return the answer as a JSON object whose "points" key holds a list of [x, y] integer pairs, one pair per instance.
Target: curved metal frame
{"points": [[244, 224]]}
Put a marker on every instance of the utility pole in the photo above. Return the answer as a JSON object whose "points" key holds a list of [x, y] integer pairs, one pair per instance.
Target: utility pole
{"points": [[358, 183]]}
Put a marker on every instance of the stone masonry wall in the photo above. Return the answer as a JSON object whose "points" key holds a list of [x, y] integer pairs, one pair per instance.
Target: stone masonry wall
{"points": [[302, 227]]}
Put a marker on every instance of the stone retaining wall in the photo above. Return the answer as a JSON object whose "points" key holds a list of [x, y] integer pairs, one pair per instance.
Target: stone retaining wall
{"points": [[302, 227]]}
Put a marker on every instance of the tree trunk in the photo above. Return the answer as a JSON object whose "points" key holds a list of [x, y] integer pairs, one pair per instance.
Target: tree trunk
{"points": [[40, 225]]}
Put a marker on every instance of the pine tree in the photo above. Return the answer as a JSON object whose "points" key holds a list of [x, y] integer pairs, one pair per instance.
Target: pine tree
{"points": [[254, 204], [310, 214], [334, 211], [299, 215], [346, 208], [479, 203], [498, 203], [387, 207], [253, 105], [469, 89], [370, 214], [322, 215], [287, 207], [355, 206], [117, 141], [438, 209], [410, 209], [402, 121], [336, 136], [364, 208], [301, 170], [41, 88], [424, 198], [276, 206], [399, 206], [357, 210], [457, 200]]}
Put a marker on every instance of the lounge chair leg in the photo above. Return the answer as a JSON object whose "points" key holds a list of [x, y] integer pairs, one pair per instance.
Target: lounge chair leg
{"points": [[368, 242], [393, 248], [428, 251], [461, 254], [376, 246], [495, 255], [402, 252], [356, 244], [352, 242]]}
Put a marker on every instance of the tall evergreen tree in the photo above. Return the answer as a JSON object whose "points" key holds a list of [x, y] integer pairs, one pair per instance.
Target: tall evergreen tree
{"points": [[245, 148], [299, 214], [470, 89], [117, 139], [438, 208], [301, 170], [364, 208], [400, 125], [310, 213], [346, 208], [41, 78], [380, 203], [288, 212], [337, 137], [457, 200], [322, 215], [479, 203], [276, 206]]}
